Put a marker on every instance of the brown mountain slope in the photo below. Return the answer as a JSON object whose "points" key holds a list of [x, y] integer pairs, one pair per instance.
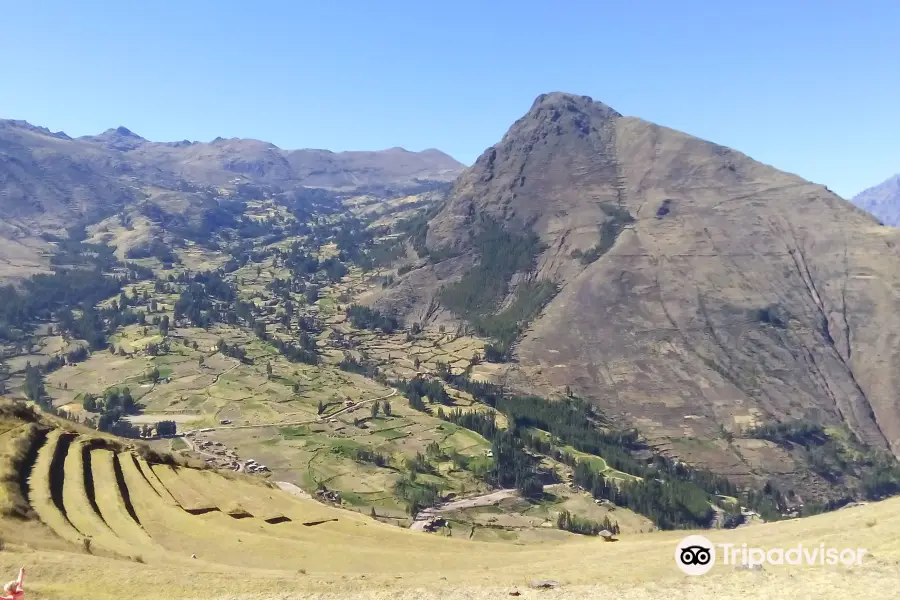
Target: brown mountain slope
{"points": [[51, 176], [738, 294]]}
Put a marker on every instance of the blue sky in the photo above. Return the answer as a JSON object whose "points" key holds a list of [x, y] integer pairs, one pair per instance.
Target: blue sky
{"points": [[811, 87]]}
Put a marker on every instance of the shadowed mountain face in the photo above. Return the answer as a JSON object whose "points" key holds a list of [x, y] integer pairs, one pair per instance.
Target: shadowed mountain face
{"points": [[882, 201], [699, 291]]}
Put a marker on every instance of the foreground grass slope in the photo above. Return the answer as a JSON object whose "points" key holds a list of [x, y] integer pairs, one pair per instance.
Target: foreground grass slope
{"points": [[142, 539]]}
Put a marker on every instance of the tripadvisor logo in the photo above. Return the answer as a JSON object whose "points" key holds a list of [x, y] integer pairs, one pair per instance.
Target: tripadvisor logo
{"points": [[696, 555]]}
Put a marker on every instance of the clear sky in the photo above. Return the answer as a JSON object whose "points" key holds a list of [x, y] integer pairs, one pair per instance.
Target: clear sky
{"points": [[812, 87]]}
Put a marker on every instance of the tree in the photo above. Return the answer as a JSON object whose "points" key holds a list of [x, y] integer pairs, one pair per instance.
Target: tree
{"points": [[269, 370], [34, 383], [154, 374], [164, 326], [386, 408], [494, 354], [321, 408], [200, 361], [89, 402], [374, 409], [363, 317], [166, 428]]}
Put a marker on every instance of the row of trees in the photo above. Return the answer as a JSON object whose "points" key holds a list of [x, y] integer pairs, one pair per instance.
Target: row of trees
{"points": [[112, 407], [363, 317], [669, 504], [33, 387], [575, 524], [418, 388]]}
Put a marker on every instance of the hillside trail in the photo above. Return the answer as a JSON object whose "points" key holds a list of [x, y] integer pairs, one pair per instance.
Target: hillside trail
{"points": [[290, 488], [421, 518]]}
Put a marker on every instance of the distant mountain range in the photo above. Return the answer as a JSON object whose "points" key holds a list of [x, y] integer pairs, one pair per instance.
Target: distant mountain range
{"points": [[882, 201], [53, 175], [49, 180]]}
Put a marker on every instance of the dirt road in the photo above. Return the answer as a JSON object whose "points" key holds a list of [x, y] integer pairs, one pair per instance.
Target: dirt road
{"points": [[488, 499]]}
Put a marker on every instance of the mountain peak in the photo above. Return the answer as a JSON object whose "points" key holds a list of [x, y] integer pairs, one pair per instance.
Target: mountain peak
{"points": [[118, 138], [125, 132], [571, 102], [531, 169], [882, 201], [115, 133], [560, 115]]}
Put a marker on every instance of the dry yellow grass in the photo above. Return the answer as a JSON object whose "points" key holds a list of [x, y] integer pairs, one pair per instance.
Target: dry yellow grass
{"points": [[390, 563], [111, 502], [189, 498], [259, 501], [142, 469], [40, 494], [79, 510]]}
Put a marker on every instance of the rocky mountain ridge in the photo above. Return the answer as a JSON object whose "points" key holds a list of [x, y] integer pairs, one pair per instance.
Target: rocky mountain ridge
{"points": [[700, 292]]}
